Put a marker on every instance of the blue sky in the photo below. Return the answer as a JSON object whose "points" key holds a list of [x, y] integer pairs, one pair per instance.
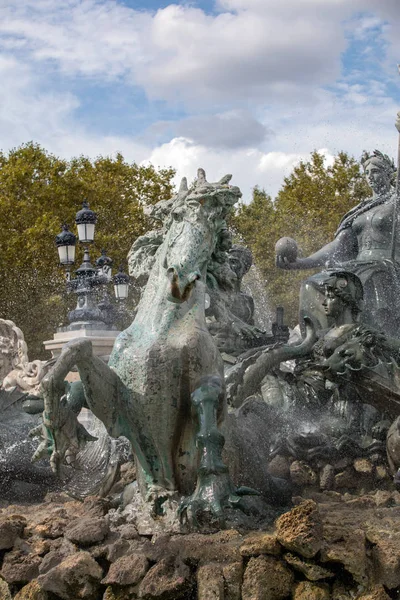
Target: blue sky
{"points": [[248, 87]]}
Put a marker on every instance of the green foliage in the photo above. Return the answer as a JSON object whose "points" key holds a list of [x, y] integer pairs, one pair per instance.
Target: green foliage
{"points": [[308, 208], [38, 191]]}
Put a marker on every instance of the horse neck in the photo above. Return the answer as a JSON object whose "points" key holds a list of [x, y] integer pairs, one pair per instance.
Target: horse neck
{"points": [[157, 312]]}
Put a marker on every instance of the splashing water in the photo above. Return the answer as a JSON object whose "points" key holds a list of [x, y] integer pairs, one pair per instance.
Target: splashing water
{"points": [[255, 285]]}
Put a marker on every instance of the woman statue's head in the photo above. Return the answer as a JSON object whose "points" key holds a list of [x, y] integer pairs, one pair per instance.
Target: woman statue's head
{"points": [[343, 295], [379, 171]]}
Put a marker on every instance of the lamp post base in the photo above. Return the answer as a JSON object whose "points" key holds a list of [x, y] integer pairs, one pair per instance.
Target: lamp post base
{"points": [[102, 339]]}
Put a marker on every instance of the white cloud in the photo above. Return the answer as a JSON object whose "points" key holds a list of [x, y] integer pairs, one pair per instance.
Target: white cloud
{"points": [[230, 129], [249, 167], [256, 67], [182, 54]]}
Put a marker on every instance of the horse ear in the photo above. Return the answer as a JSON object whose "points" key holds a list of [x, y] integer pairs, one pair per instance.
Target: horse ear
{"points": [[225, 179], [201, 176], [183, 186]]}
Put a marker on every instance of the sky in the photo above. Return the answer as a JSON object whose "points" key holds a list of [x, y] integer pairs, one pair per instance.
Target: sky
{"points": [[248, 87]]}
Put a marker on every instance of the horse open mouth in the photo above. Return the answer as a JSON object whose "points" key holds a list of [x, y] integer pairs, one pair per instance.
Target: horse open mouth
{"points": [[179, 294]]}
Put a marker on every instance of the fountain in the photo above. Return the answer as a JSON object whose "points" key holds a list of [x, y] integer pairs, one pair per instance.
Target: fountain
{"points": [[226, 423]]}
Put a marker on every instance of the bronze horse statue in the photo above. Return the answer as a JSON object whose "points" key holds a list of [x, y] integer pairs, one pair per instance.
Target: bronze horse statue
{"points": [[164, 386]]}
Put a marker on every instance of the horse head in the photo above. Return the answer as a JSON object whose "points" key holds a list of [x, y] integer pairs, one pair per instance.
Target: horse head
{"points": [[195, 228]]}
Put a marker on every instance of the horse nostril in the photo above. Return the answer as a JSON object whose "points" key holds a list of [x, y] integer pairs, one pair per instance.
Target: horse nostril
{"points": [[194, 277]]}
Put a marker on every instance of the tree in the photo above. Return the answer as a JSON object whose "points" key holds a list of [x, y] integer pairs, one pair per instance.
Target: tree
{"points": [[38, 191], [308, 208]]}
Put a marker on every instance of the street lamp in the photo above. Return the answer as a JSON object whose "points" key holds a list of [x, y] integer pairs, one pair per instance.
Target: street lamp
{"points": [[86, 220], [121, 284], [104, 265], [90, 281], [65, 242]]}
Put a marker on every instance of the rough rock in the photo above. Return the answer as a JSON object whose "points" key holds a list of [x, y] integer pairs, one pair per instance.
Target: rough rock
{"points": [[10, 529], [381, 473], [5, 593], [233, 575], [377, 593], [210, 582], [128, 532], [347, 479], [305, 590], [77, 576], [260, 543], [37, 546], [341, 591], [113, 593], [363, 466], [310, 569], [196, 547], [32, 591], [127, 570], [279, 467], [384, 498], [57, 555], [167, 580], [327, 478], [52, 526], [266, 578], [113, 547], [302, 474], [87, 530], [346, 546], [19, 567], [385, 537], [94, 506], [300, 530]]}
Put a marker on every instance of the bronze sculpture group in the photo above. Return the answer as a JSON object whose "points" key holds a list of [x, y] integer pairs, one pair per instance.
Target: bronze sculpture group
{"points": [[164, 388], [365, 244]]}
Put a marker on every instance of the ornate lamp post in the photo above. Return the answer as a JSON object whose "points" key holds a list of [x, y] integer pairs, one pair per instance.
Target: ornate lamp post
{"points": [[66, 242], [89, 280], [121, 283]]}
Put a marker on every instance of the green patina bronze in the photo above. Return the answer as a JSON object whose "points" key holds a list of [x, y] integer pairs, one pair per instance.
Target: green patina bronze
{"points": [[164, 386]]}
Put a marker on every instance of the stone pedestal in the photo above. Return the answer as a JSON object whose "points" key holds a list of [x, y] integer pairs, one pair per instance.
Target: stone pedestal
{"points": [[102, 341]]}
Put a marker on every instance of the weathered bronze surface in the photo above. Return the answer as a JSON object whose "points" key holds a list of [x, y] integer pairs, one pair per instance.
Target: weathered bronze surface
{"points": [[164, 387], [366, 244]]}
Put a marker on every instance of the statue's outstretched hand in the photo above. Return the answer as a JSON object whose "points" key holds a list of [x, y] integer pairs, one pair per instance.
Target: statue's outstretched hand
{"points": [[282, 262]]}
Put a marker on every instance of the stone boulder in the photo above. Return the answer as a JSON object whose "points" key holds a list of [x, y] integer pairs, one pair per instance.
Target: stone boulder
{"points": [[32, 591], [310, 569], [127, 570], [10, 529], [5, 593], [347, 547], [210, 582], [385, 539], [77, 576], [305, 590], [260, 543], [377, 593], [169, 579], [20, 568], [233, 575], [300, 530], [266, 578], [87, 530]]}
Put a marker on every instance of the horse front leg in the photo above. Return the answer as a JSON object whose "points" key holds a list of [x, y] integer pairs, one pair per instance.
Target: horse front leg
{"points": [[214, 490], [62, 434]]}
